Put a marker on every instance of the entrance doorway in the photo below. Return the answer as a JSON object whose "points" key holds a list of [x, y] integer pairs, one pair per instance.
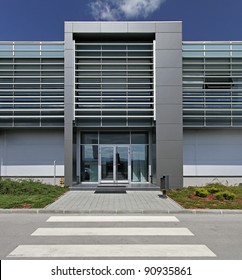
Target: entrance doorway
{"points": [[114, 157], [114, 164]]}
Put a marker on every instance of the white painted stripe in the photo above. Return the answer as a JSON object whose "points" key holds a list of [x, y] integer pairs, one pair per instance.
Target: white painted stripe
{"points": [[112, 219], [112, 231], [111, 250]]}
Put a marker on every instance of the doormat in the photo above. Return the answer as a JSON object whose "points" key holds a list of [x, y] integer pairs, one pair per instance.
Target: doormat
{"points": [[110, 189]]}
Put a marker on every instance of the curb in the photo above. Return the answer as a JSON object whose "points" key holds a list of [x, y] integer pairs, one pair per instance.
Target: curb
{"points": [[101, 211]]}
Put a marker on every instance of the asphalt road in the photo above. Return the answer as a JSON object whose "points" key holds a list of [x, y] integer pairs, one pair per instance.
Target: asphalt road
{"points": [[185, 236]]}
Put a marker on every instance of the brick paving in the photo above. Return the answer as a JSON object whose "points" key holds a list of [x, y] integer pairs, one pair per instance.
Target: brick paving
{"points": [[132, 201]]}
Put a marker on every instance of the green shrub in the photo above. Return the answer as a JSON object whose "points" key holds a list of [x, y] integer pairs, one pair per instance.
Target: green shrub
{"points": [[213, 190], [28, 187], [225, 195], [201, 192]]}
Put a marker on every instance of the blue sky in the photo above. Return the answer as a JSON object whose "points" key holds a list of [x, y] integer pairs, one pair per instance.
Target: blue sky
{"points": [[44, 20]]}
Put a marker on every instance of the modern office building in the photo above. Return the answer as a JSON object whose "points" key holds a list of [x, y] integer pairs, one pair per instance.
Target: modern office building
{"points": [[124, 103]]}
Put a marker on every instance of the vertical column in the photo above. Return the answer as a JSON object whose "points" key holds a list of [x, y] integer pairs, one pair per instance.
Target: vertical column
{"points": [[169, 125], [69, 102]]}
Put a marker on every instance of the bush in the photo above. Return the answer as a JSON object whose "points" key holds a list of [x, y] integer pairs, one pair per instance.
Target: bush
{"points": [[225, 195], [201, 192], [213, 190], [28, 187]]}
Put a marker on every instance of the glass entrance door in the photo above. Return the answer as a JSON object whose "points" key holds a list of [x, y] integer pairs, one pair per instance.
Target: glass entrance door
{"points": [[107, 164], [122, 163], [114, 164]]}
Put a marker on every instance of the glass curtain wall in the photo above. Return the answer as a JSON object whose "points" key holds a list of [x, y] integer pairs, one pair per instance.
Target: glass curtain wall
{"points": [[128, 151]]}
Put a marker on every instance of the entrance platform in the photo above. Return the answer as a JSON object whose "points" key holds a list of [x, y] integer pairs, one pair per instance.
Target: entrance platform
{"points": [[140, 202]]}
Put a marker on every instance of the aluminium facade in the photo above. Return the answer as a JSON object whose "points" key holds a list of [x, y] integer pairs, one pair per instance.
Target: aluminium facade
{"points": [[124, 103]]}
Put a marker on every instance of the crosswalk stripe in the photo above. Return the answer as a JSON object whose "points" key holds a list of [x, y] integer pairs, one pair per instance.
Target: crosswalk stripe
{"points": [[111, 250], [112, 231], [112, 219]]}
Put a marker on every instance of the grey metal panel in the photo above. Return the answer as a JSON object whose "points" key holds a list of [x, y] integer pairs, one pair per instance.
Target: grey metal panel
{"points": [[168, 41], [169, 167], [141, 27], [86, 27], [69, 113], [168, 113], [169, 95], [168, 76], [68, 162], [170, 149], [69, 59], [69, 76], [177, 182], [69, 107], [69, 94], [68, 26], [32, 152], [169, 132], [169, 27], [112, 27], [169, 79], [169, 58], [68, 41]]}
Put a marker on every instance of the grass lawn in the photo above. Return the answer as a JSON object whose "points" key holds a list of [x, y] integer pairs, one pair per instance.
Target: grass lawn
{"points": [[27, 194], [212, 196]]}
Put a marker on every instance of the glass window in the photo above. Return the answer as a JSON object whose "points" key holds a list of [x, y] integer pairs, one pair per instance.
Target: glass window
{"points": [[139, 138], [192, 53], [6, 53], [27, 53], [27, 47], [215, 53], [217, 47], [52, 47], [237, 121], [192, 121], [87, 47], [89, 163], [6, 47], [192, 47], [139, 163], [113, 47], [114, 122], [60, 54], [140, 47], [218, 121], [89, 138], [114, 138]]}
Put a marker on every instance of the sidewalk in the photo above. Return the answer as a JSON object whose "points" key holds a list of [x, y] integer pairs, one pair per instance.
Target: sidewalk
{"points": [[132, 201]]}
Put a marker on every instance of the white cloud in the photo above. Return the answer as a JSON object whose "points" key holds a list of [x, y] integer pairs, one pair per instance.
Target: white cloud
{"points": [[123, 9]]}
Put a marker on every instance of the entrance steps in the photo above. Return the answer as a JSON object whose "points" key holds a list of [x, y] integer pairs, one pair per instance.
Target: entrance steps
{"points": [[129, 187]]}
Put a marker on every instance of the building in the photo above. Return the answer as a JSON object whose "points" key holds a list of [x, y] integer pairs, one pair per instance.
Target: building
{"points": [[121, 102]]}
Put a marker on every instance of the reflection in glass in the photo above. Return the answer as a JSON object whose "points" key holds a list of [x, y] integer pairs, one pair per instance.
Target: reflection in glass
{"points": [[89, 163], [122, 163], [139, 163], [107, 163], [114, 138]]}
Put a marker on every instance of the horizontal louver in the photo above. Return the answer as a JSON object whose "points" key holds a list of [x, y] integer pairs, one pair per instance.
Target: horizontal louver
{"points": [[32, 84], [114, 84], [212, 84]]}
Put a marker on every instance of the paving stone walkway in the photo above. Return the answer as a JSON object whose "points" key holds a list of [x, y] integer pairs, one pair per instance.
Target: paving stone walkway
{"points": [[132, 201]]}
